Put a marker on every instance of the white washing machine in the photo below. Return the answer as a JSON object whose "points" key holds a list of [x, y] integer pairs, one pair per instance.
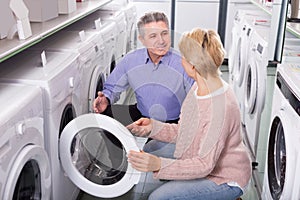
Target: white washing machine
{"points": [[24, 165], [250, 20], [255, 88], [238, 60], [282, 163], [241, 28], [93, 65], [231, 18], [131, 18], [58, 78], [107, 174], [107, 29], [235, 59], [119, 17]]}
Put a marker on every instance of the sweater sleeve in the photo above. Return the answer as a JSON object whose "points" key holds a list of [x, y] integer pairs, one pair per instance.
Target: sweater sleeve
{"points": [[191, 168], [163, 131]]}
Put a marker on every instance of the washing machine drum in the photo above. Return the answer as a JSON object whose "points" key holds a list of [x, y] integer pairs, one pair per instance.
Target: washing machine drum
{"points": [[93, 150]]}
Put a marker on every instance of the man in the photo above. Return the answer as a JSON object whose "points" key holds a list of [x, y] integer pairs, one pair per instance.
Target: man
{"points": [[155, 74]]}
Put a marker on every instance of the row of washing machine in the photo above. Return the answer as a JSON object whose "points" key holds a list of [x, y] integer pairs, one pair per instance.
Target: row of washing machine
{"points": [[268, 97], [45, 87]]}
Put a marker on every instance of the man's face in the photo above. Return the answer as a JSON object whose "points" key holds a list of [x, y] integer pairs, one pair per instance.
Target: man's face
{"points": [[156, 38]]}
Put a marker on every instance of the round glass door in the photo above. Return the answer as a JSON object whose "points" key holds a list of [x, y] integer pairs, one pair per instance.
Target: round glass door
{"points": [[93, 150], [242, 61], [96, 85], [251, 87], [29, 176], [277, 159]]}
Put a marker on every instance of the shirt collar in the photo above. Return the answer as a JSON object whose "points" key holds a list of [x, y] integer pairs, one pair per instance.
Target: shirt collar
{"points": [[164, 59]]}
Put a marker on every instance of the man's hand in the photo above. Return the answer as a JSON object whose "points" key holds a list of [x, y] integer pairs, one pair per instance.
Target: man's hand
{"points": [[100, 103]]}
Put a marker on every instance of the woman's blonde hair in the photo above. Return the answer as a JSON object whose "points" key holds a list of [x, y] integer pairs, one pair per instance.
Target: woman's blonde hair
{"points": [[204, 50]]}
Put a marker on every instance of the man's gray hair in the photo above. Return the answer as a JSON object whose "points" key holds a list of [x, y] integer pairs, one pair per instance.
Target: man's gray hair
{"points": [[151, 17]]}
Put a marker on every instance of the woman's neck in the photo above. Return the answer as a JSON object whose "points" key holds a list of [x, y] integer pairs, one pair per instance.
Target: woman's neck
{"points": [[208, 85]]}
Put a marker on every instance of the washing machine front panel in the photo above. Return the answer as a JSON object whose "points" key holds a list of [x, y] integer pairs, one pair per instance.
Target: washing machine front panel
{"points": [[233, 16], [24, 169], [244, 49], [256, 73], [234, 54], [119, 17], [106, 28], [131, 18], [284, 140], [106, 174], [30, 175], [255, 89], [281, 157]]}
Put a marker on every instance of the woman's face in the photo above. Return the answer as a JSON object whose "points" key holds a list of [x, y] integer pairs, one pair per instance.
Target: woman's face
{"points": [[156, 38], [188, 68]]}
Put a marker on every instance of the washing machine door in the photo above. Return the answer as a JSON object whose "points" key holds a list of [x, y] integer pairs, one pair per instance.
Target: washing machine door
{"points": [[93, 150], [240, 68], [30, 175], [280, 158], [251, 87], [98, 78]]}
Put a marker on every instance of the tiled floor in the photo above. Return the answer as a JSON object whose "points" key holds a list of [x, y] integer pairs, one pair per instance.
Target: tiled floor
{"points": [[144, 188]]}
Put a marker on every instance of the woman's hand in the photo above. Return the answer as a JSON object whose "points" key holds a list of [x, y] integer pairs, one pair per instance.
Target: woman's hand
{"points": [[144, 162], [141, 127]]}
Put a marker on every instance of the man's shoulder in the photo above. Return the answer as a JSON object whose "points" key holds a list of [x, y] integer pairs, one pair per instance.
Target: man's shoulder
{"points": [[136, 52]]}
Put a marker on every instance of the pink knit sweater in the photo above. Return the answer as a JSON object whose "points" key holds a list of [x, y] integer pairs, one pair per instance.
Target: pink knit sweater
{"points": [[208, 140]]}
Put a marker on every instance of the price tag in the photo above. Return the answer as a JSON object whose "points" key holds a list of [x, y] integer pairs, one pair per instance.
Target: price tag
{"points": [[44, 59], [82, 35], [98, 24]]}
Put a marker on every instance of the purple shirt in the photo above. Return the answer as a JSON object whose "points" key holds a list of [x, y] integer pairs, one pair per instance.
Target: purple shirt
{"points": [[159, 89]]}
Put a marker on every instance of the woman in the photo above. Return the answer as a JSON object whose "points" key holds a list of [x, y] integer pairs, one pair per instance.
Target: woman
{"points": [[211, 161]]}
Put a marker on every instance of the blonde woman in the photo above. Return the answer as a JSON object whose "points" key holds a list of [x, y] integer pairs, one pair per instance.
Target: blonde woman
{"points": [[211, 161]]}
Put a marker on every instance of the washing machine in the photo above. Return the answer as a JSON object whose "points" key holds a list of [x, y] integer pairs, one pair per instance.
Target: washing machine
{"points": [[92, 60], [282, 163], [119, 17], [231, 20], [56, 73], [238, 52], [255, 88], [131, 18], [238, 59], [94, 162], [24, 164], [105, 29], [250, 20]]}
